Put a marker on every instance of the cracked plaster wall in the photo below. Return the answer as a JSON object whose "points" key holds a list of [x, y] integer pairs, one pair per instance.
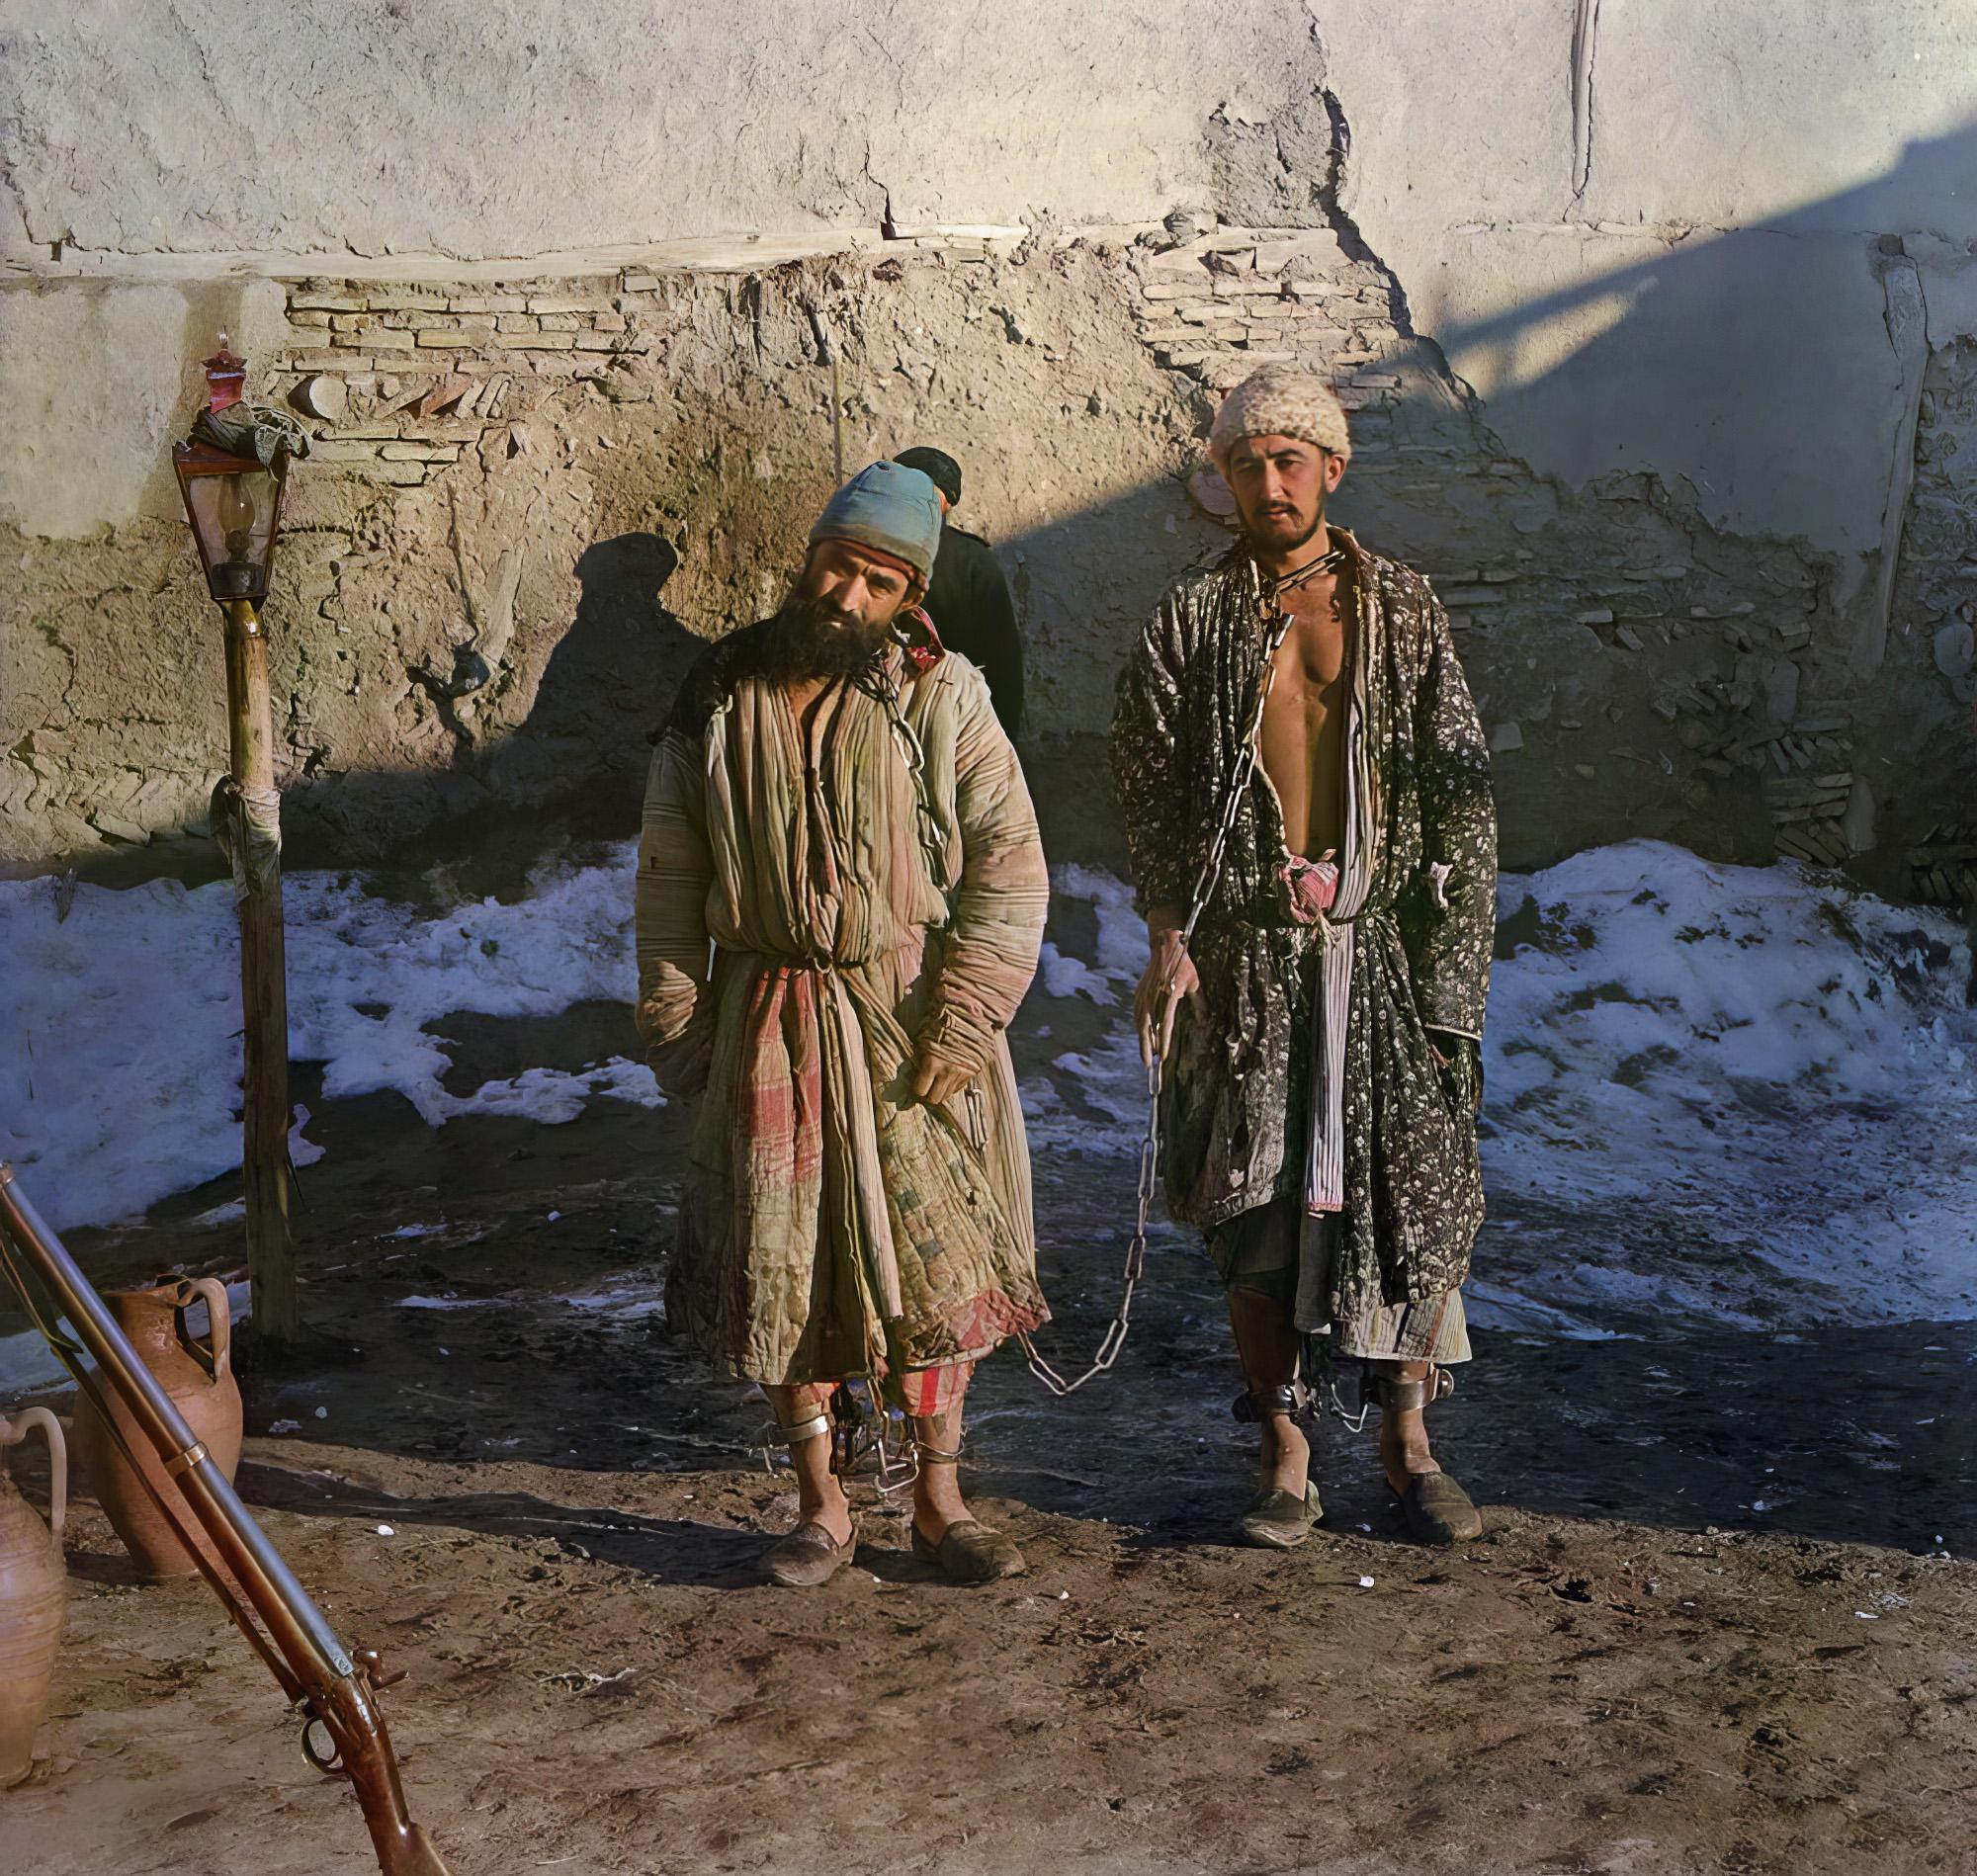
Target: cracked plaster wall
{"points": [[381, 126], [1655, 319]]}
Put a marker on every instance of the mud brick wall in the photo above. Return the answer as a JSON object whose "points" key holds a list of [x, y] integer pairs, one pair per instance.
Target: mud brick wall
{"points": [[458, 352], [529, 500]]}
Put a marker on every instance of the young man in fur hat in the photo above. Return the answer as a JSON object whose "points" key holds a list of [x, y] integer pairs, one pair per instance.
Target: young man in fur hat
{"points": [[835, 815], [1321, 1029]]}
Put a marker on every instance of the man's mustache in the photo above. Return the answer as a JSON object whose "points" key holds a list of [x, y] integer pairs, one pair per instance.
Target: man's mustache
{"points": [[813, 637]]}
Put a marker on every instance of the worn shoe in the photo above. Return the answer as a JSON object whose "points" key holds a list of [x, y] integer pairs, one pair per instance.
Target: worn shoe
{"points": [[1438, 1511], [1281, 1521], [809, 1557], [970, 1552]]}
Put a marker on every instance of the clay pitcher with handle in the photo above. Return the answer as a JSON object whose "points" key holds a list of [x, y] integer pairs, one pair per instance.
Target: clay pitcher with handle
{"points": [[34, 1583], [200, 1381]]}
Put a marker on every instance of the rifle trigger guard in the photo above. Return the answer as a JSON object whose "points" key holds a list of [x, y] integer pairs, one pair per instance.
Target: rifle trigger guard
{"points": [[327, 1758]]}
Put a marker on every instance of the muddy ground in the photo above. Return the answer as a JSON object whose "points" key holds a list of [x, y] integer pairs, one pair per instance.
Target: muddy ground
{"points": [[1719, 1620]]}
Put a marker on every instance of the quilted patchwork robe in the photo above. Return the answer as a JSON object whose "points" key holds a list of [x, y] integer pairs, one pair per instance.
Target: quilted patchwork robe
{"points": [[806, 917]]}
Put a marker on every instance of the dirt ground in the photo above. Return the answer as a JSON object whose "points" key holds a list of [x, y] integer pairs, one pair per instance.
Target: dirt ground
{"points": [[1718, 1621]]}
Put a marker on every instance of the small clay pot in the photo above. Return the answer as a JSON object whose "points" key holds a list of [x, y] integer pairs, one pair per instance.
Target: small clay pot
{"points": [[34, 1584], [200, 1382]]}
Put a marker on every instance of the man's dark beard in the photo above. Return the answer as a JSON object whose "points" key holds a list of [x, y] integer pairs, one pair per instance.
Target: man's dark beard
{"points": [[806, 639], [1314, 533]]}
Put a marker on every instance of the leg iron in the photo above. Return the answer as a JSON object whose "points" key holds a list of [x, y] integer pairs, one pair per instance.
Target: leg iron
{"points": [[1436, 1508], [1292, 1398], [778, 1438], [1279, 1521], [810, 1554]]}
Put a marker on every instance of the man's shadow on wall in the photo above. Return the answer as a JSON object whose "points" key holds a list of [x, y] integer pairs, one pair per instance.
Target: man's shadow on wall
{"points": [[586, 741], [573, 768]]}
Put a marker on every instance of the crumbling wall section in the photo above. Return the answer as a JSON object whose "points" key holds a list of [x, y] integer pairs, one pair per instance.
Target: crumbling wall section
{"points": [[1931, 670], [530, 500]]}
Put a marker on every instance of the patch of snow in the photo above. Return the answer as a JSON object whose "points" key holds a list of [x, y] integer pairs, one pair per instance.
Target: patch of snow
{"points": [[1121, 949], [1062, 975], [628, 1302], [1122, 933], [1095, 1102], [28, 1365], [1738, 1095], [1716, 1095], [120, 1073], [302, 1151]]}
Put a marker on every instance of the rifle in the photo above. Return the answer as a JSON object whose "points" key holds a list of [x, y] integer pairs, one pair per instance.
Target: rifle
{"points": [[335, 1693]]}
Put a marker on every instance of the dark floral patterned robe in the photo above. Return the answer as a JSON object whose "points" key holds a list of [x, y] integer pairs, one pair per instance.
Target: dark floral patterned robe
{"points": [[1236, 1088]]}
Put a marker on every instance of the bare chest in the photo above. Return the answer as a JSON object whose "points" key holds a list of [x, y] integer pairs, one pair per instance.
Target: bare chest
{"points": [[1303, 728], [1308, 674]]}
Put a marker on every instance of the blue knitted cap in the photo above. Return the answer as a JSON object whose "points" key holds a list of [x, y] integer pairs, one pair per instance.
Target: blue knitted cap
{"points": [[890, 508]]}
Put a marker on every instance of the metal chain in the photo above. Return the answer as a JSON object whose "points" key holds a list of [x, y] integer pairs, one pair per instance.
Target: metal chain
{"points": [[1205, 884], [862, 1430], [1136, 1258], [878, 682], [1320, 1359]]}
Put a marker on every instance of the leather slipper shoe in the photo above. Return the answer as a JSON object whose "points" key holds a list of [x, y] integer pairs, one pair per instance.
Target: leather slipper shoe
{"points": [[1280, 1520], [809, 1557], [970, 1552], [1438, 1511]]}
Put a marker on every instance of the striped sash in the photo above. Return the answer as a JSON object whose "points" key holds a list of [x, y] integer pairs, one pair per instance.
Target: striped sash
{"points": [[1336, 936]]}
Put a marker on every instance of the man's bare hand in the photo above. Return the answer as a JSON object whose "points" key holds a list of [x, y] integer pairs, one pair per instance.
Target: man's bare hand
{"points": [[936, 1081], [1171, 976], [681, 1066]]}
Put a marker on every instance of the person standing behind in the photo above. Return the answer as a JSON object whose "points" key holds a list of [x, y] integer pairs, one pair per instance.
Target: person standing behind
{"points": [[969, 599]]}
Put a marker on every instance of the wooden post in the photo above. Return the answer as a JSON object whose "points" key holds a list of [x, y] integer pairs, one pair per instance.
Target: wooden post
{"points": [[264, 997]]}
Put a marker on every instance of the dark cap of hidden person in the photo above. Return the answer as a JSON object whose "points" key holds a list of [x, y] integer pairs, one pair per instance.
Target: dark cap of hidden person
{"points": [[940, 468]]}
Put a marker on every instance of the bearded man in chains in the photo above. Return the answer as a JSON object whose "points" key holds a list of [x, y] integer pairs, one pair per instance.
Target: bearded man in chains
{"points": [[1303, 774], [841, 901]]}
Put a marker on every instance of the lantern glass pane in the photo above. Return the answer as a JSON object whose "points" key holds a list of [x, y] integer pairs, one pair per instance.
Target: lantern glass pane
{"points": [[234, 515]]}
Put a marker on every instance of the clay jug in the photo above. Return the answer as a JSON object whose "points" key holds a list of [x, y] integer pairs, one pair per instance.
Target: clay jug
{"points": [[33, 1584], [200, 1381]]}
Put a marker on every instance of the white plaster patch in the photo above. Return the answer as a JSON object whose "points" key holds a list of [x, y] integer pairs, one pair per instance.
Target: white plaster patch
{"points": [[90, 390]]}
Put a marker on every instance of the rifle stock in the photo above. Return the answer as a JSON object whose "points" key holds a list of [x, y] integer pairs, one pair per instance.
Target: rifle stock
{"points": [[334, 1692]]}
